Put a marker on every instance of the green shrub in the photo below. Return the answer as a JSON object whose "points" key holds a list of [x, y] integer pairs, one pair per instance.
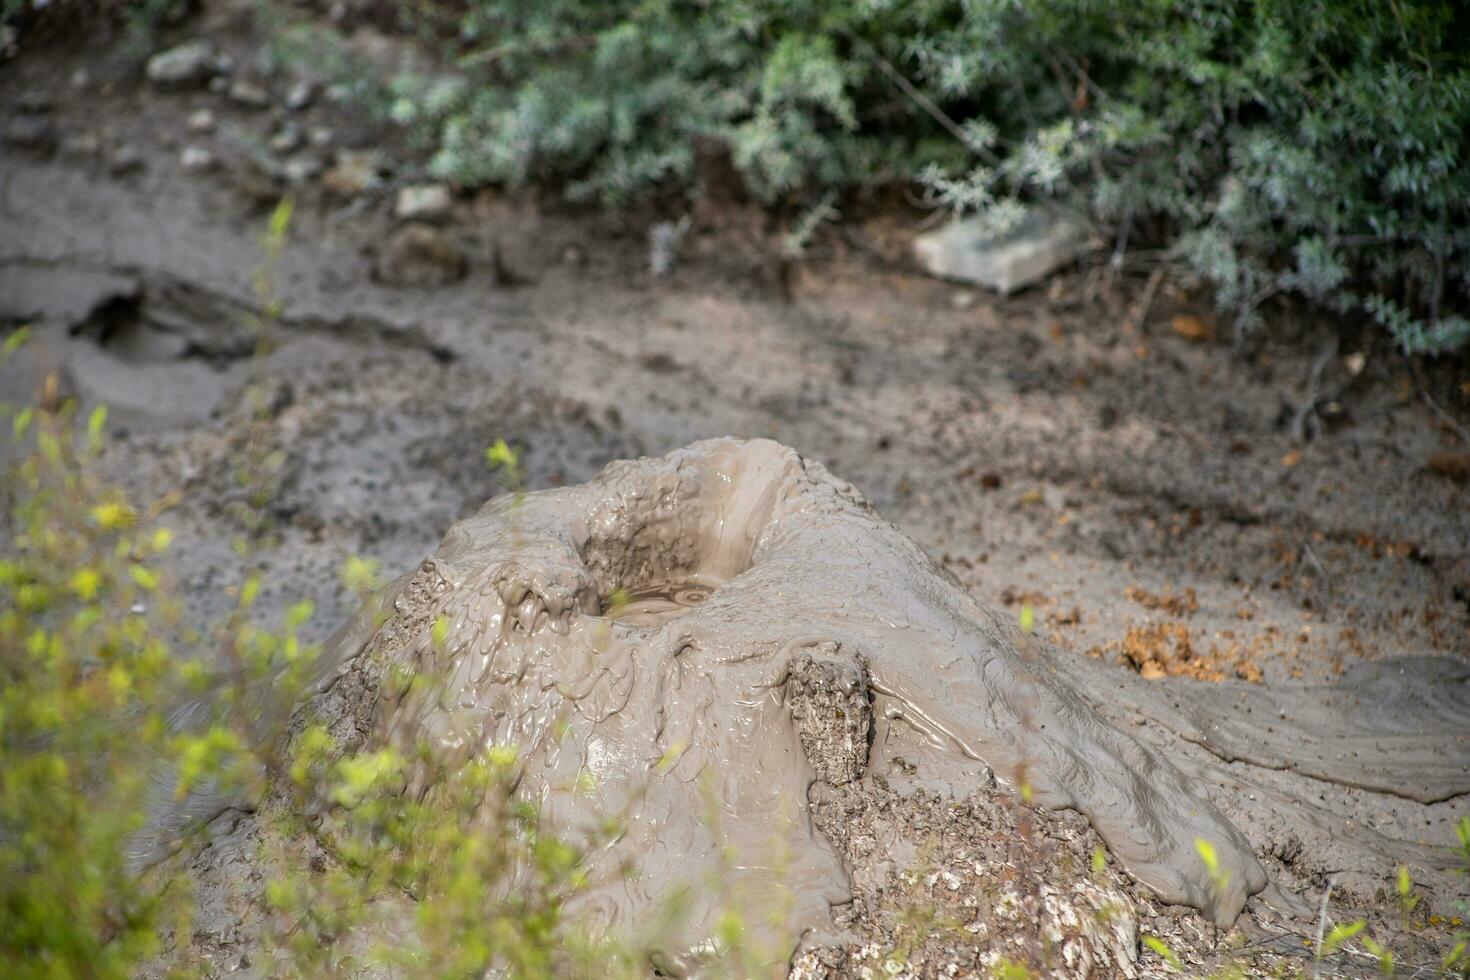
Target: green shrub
{"points": [[96, 759], [1316, 147]]}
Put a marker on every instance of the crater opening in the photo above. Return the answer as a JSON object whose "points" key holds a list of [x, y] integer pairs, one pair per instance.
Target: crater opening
{"points": [[658, 603]]}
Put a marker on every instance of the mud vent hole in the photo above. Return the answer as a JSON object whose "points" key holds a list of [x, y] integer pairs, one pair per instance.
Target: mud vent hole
{"points": [[654, 605]]}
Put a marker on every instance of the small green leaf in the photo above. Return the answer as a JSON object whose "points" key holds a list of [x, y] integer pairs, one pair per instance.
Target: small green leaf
{"points": [[95, 425], [501, 455], [1340, 934], [299, 614], [249, 592], [1207, 854], [13, 342], [1163, 951]]}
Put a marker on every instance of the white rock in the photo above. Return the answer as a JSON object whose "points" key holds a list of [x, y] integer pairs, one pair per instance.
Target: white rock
{"points": [[287, 139], [249, 94], [196, 159], [966, 250], [423, 202], [299, 95], [301, 168], [192, 63], [201, 121]]}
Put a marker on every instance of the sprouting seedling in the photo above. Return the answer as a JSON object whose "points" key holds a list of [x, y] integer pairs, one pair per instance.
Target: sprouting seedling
{"points": [[360, 575], [1219, 877], [1008, 969], [1458, 958], [1385, 957], [1162, 950], [1340, 934], [501, 456], [1462, 830], [1028, 617], [1407, 899]]}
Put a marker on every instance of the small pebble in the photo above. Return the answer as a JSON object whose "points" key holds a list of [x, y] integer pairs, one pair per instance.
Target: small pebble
{"points": [[286, 140], [201, 121], [125, 159], [299, 95], [301, 168], [196, 159], [184, 66], [249, 94], [423, 202], [81, 146]]}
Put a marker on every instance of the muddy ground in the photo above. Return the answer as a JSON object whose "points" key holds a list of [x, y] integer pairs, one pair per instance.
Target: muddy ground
{"points": [[1146, 490]]}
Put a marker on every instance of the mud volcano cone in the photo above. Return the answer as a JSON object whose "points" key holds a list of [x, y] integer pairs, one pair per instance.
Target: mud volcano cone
{"points": [[694, 642]]}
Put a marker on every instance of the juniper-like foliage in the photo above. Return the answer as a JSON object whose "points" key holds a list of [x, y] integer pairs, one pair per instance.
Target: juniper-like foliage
{"points": [[1315, 147]]}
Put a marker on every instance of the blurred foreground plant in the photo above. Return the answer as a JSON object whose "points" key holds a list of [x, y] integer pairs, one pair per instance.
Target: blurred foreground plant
{"points": [[115, 716]]}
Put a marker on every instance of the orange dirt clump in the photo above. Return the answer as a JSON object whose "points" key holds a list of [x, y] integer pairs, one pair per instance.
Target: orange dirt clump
{"points": [[1158, 650], [1183, 603]]}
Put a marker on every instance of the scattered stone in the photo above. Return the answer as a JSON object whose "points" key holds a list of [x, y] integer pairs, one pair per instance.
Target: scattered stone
{"points": [[1192, 328], [967, 250], [420, 255], [287, 139], [201, 121], [186, 66], [34, 133], [125, 159], [423, 202], [319, 137], [299, 95], [219, 85], [301, 168], [354, 172], [1451, 466], [81, 79], [196, 160], [1355, 362], [82, 146], [249, 94], [34, 102], [962, 299]]}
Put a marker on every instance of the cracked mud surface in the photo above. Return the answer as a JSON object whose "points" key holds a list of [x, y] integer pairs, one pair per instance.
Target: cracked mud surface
{"points": [[1040, 450]]}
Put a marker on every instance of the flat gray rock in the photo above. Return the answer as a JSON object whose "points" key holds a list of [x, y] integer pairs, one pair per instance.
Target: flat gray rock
{"points": [[968, 251]]}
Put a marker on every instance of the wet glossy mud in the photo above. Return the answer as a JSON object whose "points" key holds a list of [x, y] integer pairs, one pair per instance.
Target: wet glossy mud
{"points": [[695, 640]]}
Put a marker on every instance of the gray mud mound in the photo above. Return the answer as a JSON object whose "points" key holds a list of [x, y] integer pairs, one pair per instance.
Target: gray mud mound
{"points": [[710, 641]]}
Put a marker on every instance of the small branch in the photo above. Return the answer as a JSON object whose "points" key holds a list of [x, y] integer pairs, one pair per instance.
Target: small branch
{"points": [[1316, 563], [927, 104], [1306, 412], [1321, 930], [1448, 419], [1146, 301]]}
